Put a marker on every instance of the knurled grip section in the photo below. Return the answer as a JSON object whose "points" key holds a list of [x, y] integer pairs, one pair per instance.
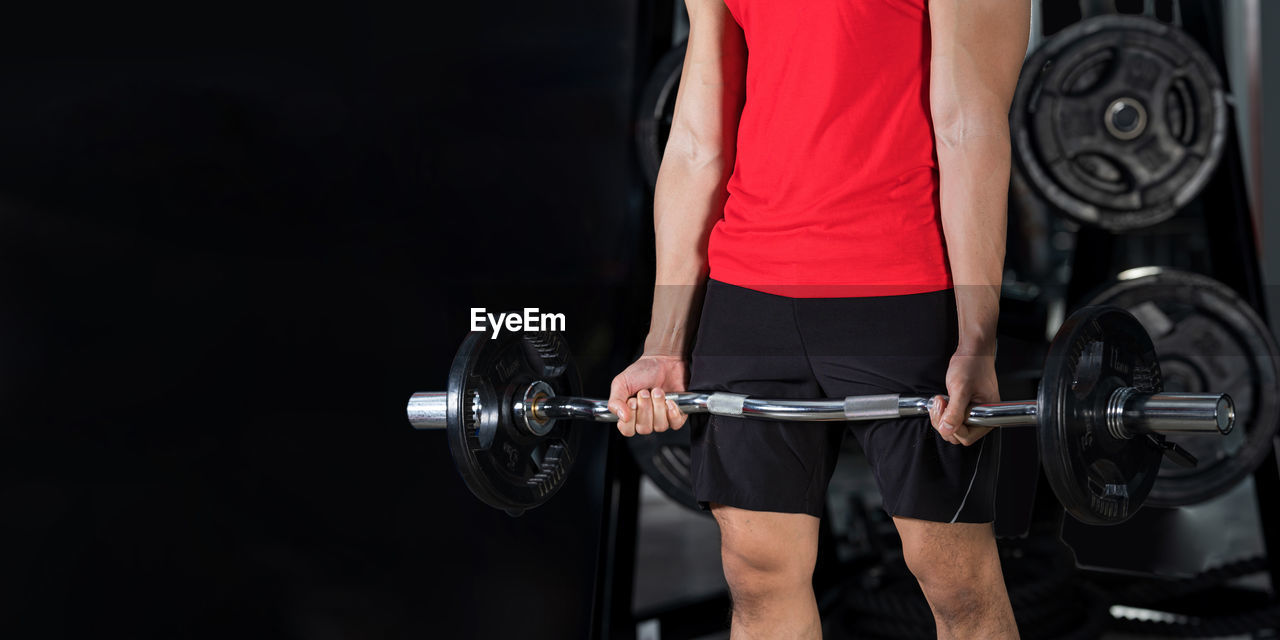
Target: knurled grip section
{"points": [[871, 407], [725, 404]]}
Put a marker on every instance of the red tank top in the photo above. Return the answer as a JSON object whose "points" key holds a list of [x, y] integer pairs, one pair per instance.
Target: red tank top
{"points": [[834, 192]]}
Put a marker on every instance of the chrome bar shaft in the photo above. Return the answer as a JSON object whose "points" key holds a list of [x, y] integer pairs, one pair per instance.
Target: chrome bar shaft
{"points": [[1015, 413], [1138, 412], [1175, 413], [428, 409]]}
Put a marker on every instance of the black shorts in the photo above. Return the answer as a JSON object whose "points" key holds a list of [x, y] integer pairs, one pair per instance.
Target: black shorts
{"points": [[780, 347]]}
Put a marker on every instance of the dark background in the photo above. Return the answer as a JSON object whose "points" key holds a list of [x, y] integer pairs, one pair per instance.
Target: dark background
{"points": [[234, 239]]}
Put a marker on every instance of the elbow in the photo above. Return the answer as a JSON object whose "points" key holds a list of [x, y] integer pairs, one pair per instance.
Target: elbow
{"points": [[698, 154], [957, 125]]}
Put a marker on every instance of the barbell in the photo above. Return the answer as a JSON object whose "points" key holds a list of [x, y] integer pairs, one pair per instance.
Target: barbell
{"points": [[512, 401]]}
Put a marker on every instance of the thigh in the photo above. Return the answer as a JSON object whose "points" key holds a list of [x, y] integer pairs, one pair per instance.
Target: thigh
{"points": [[748, 343], [768, 542], [925, 539], [942, 554], [891, 344], [902, 344]]}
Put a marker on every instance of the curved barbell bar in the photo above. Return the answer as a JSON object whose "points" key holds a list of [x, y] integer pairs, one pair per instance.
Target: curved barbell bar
{"points": [[1129, 411]]}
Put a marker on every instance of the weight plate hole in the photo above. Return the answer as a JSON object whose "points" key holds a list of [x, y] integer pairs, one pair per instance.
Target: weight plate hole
{"points": [[1102, 173], [471, 412], [1088, 73], [1180, 112]]}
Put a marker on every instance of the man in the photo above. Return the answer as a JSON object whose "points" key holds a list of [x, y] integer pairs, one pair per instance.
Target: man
{"points": [[836, 180]]}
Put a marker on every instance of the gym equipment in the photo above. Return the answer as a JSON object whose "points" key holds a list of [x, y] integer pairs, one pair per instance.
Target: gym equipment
{"points": [[491, 381], [1119, 120], [1101, 412], [1207, 336], [880, 598], [665, 459]]}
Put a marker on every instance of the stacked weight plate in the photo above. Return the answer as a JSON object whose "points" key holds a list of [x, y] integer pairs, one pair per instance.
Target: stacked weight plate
{"points": [[1206, 337], [1118, 121]]}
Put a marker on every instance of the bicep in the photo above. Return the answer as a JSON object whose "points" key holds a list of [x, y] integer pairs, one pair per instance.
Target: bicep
{"points": [[977, 51], [712, 84]]}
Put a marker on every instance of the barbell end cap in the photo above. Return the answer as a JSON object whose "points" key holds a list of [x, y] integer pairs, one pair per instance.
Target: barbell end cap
{"points": [[1226, 411], [428, 410]]}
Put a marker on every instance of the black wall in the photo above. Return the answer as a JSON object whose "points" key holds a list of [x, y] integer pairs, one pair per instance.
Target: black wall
{"points": [[233, 240]]}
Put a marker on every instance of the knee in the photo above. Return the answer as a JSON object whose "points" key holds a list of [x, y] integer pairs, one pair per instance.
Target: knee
{"points": [[954, 583], [761, 569]]}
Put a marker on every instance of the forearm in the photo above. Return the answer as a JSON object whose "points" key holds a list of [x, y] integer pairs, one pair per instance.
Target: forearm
{"points": [[977, 50], [690, 193], [688, 199], [974, 174]]}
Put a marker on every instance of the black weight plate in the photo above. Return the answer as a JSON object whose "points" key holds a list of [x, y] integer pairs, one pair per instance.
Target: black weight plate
{"points": [[502, 464], [665, 459], [1119, 120], [1209, 341], [657, 107], [1100, 479]]}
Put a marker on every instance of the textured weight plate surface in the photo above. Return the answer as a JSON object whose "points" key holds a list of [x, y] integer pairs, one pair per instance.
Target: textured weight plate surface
{"points": [[666, 459], [1209, 341], [502, 464], [1100, 479], [1119, 120]]}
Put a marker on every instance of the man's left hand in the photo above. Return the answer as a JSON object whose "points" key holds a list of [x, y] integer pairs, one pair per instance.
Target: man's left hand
{"points": [[971, 379]]}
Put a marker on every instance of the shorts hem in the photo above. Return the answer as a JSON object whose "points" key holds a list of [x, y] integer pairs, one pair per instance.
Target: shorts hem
{"points": [[704, 503], [941, 519]]}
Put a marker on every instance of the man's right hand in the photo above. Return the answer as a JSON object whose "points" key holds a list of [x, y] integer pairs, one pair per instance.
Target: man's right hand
{"points": [[638, 395]]}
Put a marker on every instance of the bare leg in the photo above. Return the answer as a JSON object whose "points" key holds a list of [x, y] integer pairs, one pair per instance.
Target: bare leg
{"points": [[768, 562], [958, 568]]}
